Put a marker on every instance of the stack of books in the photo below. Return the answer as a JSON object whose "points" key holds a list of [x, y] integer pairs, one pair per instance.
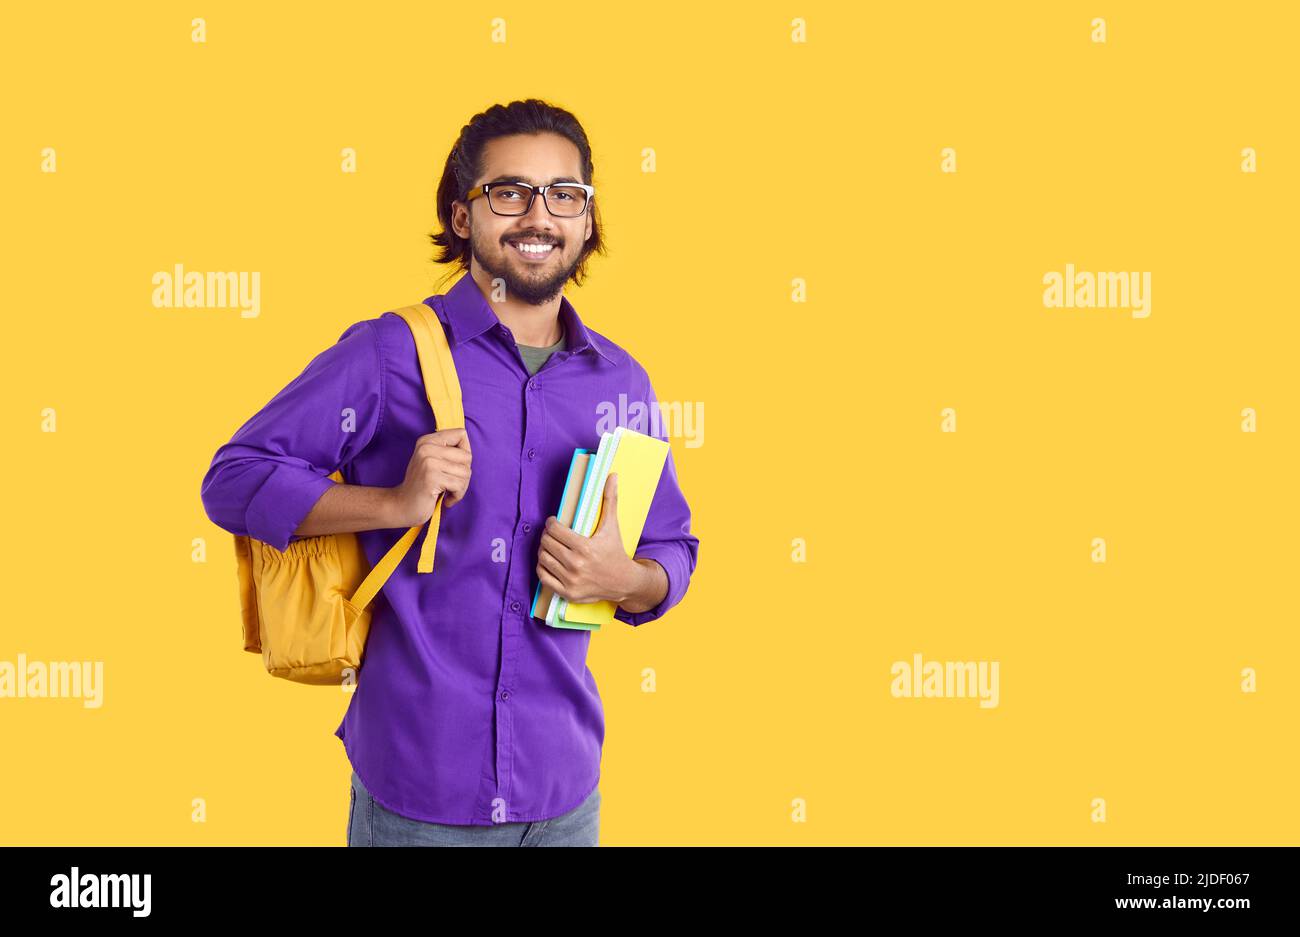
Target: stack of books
{"points": [[638, 460]]}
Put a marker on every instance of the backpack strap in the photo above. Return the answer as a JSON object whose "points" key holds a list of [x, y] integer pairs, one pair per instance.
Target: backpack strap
{"points": [[443, 389]]}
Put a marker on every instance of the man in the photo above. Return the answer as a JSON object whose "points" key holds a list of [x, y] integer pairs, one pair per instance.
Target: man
{"points": [[471, 721]]}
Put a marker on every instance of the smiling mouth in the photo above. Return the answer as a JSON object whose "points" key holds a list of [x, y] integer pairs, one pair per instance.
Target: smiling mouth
{"points": [[532, 252]]}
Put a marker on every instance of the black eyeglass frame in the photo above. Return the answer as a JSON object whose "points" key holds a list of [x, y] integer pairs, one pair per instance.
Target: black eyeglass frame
{"points": [[533, 190]]}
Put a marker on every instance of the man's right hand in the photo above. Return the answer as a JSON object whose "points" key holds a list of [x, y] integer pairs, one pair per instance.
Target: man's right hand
{"points": [[440, 465]]}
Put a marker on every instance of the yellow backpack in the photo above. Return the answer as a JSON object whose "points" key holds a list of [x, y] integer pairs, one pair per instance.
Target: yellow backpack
{"points": [[305, 609]]}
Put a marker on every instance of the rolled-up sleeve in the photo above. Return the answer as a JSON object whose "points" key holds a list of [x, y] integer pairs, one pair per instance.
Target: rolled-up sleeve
{"points": [[666, 537], [271, 473]]}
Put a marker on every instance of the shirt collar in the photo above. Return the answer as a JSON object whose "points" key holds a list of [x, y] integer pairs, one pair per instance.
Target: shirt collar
{"points": [[470, 315]]}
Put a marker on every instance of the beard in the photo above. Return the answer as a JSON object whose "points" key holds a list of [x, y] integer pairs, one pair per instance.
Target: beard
{"points": [[531, 284]]}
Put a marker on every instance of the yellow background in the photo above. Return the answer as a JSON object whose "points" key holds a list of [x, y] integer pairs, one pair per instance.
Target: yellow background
{"points": [[775, 160]]}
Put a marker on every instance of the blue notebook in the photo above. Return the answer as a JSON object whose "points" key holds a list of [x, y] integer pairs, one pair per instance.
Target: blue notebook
{"points": [[574, 484]]}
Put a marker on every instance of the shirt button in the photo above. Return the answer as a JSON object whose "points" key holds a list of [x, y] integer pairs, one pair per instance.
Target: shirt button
{"points": [[532, 385], [505, 694], [527, 527], [503, 330], [514, 606], [532, 453]]}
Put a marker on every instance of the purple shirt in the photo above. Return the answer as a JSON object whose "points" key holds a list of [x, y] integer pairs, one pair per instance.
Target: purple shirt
{"points": [[462, 697]]}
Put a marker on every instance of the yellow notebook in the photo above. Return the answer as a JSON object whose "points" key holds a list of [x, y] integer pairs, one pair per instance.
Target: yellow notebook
{"points": [[638, 460]]}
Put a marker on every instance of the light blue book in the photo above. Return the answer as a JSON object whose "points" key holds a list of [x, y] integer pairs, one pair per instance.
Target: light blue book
{"points": [[536, 610], [584, 522]]}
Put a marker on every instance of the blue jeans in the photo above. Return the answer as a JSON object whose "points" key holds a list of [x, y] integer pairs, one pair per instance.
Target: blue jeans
{"points": [[371, 824]]}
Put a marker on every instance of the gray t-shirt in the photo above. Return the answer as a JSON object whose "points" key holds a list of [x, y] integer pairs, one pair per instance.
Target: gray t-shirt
{"points": [[535, 356]]}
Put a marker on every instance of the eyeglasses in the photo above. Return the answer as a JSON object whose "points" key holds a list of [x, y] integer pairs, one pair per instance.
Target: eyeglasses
{"points": [[562, 199]]}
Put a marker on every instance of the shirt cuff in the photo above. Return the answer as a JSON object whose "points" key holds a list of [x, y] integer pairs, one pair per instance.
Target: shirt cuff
{"points": [[671, 556], [284, 500]]}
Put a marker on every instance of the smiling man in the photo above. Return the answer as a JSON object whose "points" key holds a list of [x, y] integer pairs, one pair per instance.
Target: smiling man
{"points": [[472, 722]]}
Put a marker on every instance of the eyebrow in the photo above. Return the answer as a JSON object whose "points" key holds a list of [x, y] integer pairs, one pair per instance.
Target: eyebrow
{"points": [[530, 181]]}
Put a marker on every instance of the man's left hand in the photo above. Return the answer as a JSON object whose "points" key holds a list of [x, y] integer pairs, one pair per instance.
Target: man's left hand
{"points": [[589, 569]]}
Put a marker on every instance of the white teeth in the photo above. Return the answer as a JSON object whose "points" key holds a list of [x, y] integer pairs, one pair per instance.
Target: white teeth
{"points": [[534, 248]]}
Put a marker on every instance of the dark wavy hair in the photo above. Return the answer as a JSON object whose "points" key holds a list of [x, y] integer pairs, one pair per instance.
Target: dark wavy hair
{"points": [[465, 163]]}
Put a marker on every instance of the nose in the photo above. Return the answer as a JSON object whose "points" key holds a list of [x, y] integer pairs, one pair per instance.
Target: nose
{"points": [[540, 213]]}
